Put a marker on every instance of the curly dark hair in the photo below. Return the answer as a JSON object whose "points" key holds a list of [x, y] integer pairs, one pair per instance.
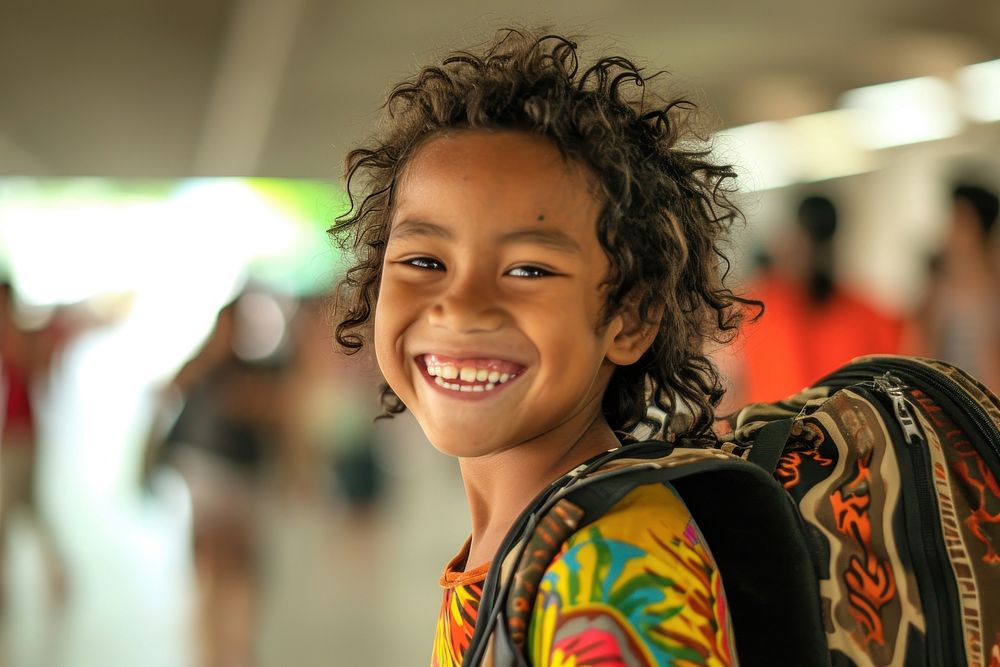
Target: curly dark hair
{"points": [[666, 210]]}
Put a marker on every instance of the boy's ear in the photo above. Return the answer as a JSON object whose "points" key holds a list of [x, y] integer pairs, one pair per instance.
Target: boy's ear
{"points": [[634, 335]]}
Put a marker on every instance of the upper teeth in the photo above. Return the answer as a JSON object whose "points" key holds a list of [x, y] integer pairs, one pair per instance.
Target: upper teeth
{"points": [[468, 373]]}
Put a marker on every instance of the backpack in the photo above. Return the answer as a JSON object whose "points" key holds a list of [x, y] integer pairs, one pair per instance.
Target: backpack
{"points": [[856, 523]]}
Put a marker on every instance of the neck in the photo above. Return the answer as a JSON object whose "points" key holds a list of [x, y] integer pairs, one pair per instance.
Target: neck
{"points": [[501, 485]]}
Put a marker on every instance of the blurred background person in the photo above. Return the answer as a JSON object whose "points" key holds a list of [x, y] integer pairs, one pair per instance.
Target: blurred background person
{"points": [[26, 355], [31, 345], [224, 442], [332, 445], [960, 318], [812, 323]]}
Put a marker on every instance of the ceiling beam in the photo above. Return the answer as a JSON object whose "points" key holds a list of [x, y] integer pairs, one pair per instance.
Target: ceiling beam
{"points": [[248, 80]]}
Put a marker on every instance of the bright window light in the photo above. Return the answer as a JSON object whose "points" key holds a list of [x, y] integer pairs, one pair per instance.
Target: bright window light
{"points": [[762, 154], [800, 150], [904, 112], [980, 90], [826, 146]]}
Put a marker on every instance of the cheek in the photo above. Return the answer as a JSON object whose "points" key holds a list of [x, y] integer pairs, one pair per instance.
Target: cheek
{"points": [[571, 337], [383, 336], [395, 311]]}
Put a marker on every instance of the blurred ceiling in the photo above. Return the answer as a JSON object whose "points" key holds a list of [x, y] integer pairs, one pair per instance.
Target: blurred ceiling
{"points": [[136, 88]]}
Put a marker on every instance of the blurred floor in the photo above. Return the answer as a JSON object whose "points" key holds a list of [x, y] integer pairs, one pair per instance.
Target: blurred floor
{"points": [[343, 593], [336, 591]]}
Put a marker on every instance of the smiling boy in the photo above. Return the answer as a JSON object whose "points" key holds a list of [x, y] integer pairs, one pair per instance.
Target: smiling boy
{"points": [[536, 262]]}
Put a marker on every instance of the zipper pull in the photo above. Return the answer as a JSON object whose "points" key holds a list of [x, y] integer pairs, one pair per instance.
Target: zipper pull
{"points": [[893, 388]]}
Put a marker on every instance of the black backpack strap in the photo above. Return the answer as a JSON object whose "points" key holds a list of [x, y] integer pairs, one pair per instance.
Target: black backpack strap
{"points": [[769, 443], [490, 617], [761, 547]]}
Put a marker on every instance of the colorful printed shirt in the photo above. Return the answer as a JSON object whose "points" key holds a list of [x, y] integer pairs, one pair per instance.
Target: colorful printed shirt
{"points": [[637, 587]]}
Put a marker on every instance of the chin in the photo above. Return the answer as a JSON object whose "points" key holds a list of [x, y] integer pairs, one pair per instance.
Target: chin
{"points": [[457, 447], [461, 446]]}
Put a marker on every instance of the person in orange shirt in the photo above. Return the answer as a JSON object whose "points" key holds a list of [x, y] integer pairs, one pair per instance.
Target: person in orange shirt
{"points": [[811, 323]]}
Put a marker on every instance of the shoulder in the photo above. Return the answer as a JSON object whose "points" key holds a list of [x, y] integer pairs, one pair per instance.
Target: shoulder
{"points": [[648, 537], [639, 516], [638, 584]]}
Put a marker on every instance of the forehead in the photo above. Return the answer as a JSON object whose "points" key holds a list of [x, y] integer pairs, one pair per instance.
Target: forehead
{"points": [[508, 171], [493, 146]]}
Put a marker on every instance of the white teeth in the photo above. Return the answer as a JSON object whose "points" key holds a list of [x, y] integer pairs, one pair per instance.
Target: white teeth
{"points": [[439, 381], [468, 374], [454, 386]]}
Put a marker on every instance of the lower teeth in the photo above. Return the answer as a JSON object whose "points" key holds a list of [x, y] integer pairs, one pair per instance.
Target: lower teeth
{"points": [[454, 386]]}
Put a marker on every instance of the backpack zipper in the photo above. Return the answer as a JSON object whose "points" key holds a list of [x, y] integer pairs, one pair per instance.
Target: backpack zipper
{"points": [[948, 646], [892, 387], [951, 390]]}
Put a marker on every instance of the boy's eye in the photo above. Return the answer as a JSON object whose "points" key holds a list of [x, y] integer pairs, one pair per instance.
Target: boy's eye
{"points": [[424, 263], [528, 272]]}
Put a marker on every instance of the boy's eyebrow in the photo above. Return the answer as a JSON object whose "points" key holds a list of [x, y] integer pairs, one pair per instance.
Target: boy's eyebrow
{"points": [[408, 228], [551, 238]]}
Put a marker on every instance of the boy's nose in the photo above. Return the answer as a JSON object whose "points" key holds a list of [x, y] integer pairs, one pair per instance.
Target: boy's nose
{"points": [[467, 308]]}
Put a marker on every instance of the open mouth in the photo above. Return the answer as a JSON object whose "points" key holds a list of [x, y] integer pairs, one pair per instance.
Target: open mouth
{"points": [[469, 375]]}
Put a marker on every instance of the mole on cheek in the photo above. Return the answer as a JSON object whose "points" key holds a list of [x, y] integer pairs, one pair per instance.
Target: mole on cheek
{"points": [[541, 216]]}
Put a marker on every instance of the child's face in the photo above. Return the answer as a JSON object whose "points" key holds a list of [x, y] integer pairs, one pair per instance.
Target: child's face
{"points": [[488, 323]]}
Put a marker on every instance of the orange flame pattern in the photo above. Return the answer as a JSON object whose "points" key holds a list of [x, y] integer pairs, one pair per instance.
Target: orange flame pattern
{"points": [[788, 470], [868, 579]]}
